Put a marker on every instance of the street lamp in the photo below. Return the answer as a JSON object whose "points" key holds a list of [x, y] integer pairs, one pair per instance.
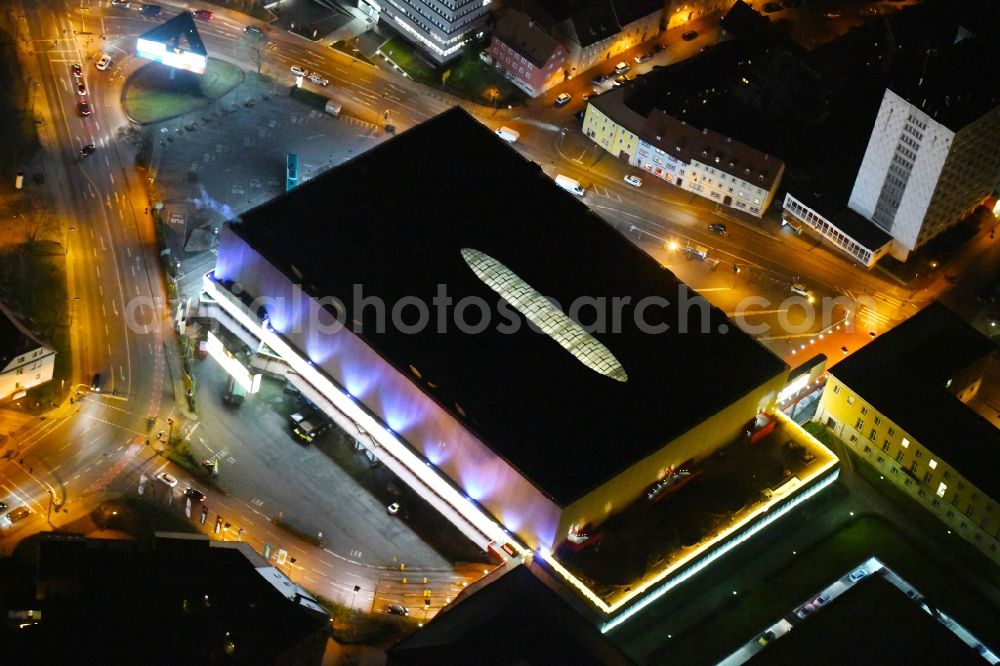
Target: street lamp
{"points": [[357, 588], [170, 431]]}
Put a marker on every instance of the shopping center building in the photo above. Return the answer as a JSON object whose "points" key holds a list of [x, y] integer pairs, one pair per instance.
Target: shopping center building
{"points": [[491, 340]]}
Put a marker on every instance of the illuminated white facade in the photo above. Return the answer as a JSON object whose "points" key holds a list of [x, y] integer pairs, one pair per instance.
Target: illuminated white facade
{"points": [[438, 27], [26, 360], [920, 177]]}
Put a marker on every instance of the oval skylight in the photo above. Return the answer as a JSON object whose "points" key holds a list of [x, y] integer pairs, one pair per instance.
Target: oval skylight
{"points": [[541, 312]]}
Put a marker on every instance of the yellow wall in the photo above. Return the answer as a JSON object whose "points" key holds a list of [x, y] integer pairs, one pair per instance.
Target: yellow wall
{"points": [[712, 433], [974, 515], [608, 134]]}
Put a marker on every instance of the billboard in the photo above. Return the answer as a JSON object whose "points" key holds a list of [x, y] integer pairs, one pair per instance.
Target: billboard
{"points": [[176, 44], [172, 57]]}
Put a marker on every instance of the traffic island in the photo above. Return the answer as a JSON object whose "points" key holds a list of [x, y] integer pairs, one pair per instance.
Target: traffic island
{"points": [[156, 93]]}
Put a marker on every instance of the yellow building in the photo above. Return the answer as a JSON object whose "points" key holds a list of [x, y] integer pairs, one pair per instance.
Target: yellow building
{"points": [[648, 123], [908, 405]]}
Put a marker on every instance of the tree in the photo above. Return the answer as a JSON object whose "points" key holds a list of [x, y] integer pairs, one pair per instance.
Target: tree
{"points": [[38, 220]]}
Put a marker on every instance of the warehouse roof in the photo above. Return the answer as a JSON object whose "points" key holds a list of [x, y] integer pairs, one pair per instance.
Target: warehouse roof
{"points": [[569, 408]]}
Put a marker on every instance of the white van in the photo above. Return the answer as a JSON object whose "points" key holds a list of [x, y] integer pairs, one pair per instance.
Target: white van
{"points": [[570, 185], [332, 108], [507, 134]]}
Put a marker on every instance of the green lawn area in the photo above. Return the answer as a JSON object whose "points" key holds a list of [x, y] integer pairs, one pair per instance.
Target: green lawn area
{"points": [[156, 92], [351, 51], [776, 597], [467, 76]]}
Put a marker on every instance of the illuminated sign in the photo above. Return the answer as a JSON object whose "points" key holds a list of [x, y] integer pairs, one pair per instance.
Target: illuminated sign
{"points": [[172, 57]]}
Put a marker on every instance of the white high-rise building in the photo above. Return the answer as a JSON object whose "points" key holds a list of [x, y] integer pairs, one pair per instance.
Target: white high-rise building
{"points": [[933, 155], [439, 27]]}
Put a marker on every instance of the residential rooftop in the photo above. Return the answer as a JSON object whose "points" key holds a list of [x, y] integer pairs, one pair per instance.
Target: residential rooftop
{"points": [[567, 419], [905, 374], [526, 37], [179, 601], [662, 108], [17, 335]]}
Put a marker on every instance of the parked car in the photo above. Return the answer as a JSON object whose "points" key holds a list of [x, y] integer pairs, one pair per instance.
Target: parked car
{"points": [[299, 71], [195, 495], [81, 88], [76, 69], [397, 609], [599, 79], [124, 4], [718, 228], [563, 99], [642, 57], [97, 382], [393, 508], [319, 80], [622, 67], [623, 78], [165, 478], [634, 181], [104, 62], [858, 574], [689, 35], [204, 14], [88, 150], [766, 638]]}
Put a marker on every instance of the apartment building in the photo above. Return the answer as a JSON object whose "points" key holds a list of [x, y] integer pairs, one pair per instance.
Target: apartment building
{"points": [[25, 359], [934, 150], [914, 404], [526, 54]]}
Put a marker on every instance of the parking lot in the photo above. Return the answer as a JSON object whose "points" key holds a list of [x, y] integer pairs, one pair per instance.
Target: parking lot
{"points": [[213, 164], [329, 486]]}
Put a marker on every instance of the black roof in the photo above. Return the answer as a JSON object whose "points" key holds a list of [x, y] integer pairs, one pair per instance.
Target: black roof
{"points": [[525, 36], [851, 629], [508, 617], [903, 374], [833, 207], [118, 601], [951, 84], [396, 219], [178, 32]]}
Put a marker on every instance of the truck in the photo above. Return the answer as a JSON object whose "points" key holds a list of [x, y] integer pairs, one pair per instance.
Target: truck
{"points": [[570, 185], [332, 108], [235, 393], [508, 135]]}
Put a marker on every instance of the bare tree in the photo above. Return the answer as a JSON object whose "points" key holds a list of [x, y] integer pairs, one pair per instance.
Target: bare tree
{"points": [[38, 220]]}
